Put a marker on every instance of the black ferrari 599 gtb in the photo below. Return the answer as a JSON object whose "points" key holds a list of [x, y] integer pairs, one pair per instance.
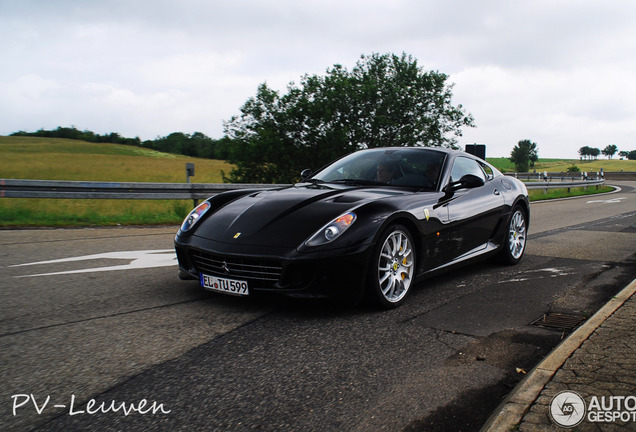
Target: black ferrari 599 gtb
{"points": [[370, 223]]}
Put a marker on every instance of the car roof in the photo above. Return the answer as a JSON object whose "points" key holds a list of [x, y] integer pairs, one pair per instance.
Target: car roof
{"points": [[448, 151]]}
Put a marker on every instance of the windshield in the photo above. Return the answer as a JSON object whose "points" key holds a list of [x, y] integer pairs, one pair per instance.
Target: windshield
{"points": [[410, 167]]}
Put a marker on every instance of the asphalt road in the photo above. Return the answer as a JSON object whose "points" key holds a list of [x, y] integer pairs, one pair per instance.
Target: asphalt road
{"points": [[107, 324]]}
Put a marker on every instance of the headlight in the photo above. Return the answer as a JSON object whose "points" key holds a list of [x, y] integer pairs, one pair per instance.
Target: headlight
{"points": [[195, 215], [333, 230]]}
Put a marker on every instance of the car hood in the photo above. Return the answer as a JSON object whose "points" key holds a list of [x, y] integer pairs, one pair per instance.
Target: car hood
{"points": [[285, 217]]}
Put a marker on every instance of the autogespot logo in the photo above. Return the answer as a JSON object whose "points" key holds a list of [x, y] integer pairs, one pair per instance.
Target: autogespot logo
{"points": [[567, 409]]}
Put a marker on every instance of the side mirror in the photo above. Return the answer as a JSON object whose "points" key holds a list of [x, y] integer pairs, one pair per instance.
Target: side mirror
{"points": [[469, 181], [305, 174]]}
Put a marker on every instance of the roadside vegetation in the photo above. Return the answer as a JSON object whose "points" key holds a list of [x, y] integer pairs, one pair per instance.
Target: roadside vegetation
{"points": [[35, 212], [542, 195]]}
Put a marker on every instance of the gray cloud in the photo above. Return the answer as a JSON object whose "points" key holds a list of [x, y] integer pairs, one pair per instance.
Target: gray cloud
{"points": [[557, 72]]}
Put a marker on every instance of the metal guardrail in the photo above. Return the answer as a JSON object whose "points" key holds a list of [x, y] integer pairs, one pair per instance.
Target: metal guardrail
{"points": [[10, 188], [563, 185], [553, 177], [566, 176]]}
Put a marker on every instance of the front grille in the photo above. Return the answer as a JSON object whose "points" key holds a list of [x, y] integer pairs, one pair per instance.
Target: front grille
{"points": [[266, 272]]}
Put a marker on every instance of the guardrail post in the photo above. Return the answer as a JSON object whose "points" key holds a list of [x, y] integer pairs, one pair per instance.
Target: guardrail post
{"points": [[190, 173]]}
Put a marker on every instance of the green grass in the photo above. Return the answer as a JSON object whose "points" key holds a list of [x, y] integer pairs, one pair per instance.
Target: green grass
{"points": [[541, 195], [27, 212]]}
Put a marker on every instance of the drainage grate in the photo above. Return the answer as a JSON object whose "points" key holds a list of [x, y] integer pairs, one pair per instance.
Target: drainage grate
{"points": [[559, 321]]}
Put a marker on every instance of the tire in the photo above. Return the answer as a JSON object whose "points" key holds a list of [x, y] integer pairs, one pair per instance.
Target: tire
{"points": [[515, 237], [392, 270]]}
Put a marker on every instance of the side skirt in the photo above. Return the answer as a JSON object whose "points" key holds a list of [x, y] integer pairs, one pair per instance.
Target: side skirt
{"points": [[479, 251]]}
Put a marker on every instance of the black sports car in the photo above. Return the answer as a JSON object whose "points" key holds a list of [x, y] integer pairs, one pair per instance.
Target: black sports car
{"points": [[369, 223]]}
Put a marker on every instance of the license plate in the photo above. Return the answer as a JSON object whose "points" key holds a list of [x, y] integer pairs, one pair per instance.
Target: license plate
{"points": [[228, 286]]}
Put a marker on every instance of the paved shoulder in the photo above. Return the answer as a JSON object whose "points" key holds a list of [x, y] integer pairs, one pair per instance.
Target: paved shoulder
{"points": [[593, 368]]}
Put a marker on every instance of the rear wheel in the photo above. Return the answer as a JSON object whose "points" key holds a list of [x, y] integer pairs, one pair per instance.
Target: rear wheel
{"points": [[515, 242], [393, 268]]}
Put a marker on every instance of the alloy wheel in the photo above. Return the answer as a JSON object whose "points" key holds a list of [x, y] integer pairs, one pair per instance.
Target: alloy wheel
{"points": [[517, 235], [395, 266]]}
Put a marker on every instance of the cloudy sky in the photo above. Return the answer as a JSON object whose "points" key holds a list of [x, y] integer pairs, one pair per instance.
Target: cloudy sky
{"points": [[561, 73]]}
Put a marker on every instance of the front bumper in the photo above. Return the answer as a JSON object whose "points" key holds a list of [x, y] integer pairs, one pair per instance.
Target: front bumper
{"points": [[328, 273]]}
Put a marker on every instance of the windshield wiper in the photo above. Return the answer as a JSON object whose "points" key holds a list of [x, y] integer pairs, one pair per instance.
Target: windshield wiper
{"points": [[313, 181], [359, 182]]}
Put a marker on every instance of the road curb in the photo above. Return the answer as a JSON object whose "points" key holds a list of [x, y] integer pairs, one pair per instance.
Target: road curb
{"points": [[511, 411]]}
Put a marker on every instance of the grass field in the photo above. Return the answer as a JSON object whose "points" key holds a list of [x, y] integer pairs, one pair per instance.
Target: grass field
{"points": [[541, 195], [60, 159], [35, 212], [561, 165]]}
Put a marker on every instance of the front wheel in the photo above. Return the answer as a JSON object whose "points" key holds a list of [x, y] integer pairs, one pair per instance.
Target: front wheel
{"points": [[392, 270], [516, 236]]}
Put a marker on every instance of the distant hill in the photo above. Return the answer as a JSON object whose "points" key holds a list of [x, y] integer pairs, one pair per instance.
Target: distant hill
{"points": [[561, 165], [41, 158]]}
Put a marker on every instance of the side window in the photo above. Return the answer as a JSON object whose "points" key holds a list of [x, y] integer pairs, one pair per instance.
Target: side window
{"points": [[489, 173], [463, 166]]}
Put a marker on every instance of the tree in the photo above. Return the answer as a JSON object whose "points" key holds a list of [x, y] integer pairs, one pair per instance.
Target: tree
{"points": [[584, 152], [262, 149], [594, 152], [385, 100], [524, 155], [589, 152], [610, 150]]}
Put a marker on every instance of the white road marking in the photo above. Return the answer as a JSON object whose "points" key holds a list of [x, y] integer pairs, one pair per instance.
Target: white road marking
{"points": [[540, 274], [139, 260], [608, 201]]}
